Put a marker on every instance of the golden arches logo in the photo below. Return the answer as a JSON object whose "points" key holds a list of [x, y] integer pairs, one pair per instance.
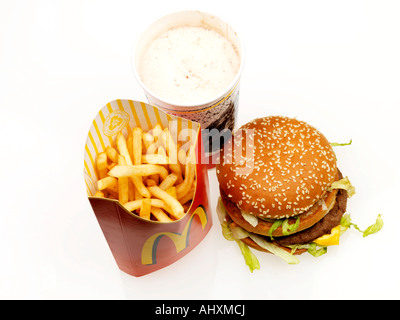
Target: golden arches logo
{"points": [[180, 240]]}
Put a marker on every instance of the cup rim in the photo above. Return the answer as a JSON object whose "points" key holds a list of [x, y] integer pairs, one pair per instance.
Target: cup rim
{"points": [[203, 103]]}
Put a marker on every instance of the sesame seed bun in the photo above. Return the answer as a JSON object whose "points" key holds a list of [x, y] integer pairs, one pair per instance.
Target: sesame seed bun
{"points": [[276, 167]]}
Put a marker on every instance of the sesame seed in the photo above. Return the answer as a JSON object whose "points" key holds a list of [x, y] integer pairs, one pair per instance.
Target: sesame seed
{"points": [[289, 152]]}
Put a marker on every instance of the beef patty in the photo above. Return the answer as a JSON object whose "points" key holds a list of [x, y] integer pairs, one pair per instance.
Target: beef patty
{"points": [[324, 226]]}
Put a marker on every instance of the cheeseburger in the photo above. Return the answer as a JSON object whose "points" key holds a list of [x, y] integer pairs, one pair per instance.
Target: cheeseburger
{"points": [[281, 189]]}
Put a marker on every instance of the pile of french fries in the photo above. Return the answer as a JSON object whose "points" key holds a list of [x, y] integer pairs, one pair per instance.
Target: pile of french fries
{"points": [[149, 173]]}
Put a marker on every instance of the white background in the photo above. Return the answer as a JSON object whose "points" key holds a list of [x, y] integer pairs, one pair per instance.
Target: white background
{"points": [[334, 64]]}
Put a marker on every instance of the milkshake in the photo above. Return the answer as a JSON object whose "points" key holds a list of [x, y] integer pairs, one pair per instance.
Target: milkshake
{"points": [[189, 65]]}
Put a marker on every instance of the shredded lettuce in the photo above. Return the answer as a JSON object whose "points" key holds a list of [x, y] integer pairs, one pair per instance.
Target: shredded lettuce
{"points": [[221, 211], [239, 233], [314, 251], [335, 144], [253, 220], [281, 253], [294, 247], [312, 248], [344, 184], [274, 226], [286, 227], [346, 223], [226, 231], [251, 260], [249, 257], [290, 228], [374, 228]]}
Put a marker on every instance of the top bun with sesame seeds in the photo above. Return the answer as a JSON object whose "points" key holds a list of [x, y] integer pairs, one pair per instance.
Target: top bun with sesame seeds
{"points": [[276, 167]]}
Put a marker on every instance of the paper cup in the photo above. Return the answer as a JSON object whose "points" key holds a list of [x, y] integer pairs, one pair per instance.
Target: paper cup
{"points": [[141, 246], [216, 115]]}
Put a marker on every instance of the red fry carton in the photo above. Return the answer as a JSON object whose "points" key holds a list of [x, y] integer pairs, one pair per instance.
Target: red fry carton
{"points": [[141, 246]]}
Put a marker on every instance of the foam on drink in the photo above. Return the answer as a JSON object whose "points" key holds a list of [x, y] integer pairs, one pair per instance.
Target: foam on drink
{"points": [[189, 64]]}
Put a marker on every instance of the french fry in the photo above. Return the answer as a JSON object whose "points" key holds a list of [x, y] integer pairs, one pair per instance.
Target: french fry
{"points": [[173, 168], [138, 170], [161, 151], [123, 184], [172, 152], [152, 148], [161, 204], [182, 158], [113, 191], [169, 181], [131, 190], [106, 183], [133, 205], [136, 158], [141, 188], [145, 209], [101, 164], [99, 194], [138, 196], [176, 207], [123, 148], [183, 188], [160, 215], [150, 182], [137, 145], [156, 132], [136, 204], [188, 197], [112, 154], [111, 165], [148, 140], [155, 159], [137, 181], [172, 192], [156, 178], [129, 144], [139, 173]]}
